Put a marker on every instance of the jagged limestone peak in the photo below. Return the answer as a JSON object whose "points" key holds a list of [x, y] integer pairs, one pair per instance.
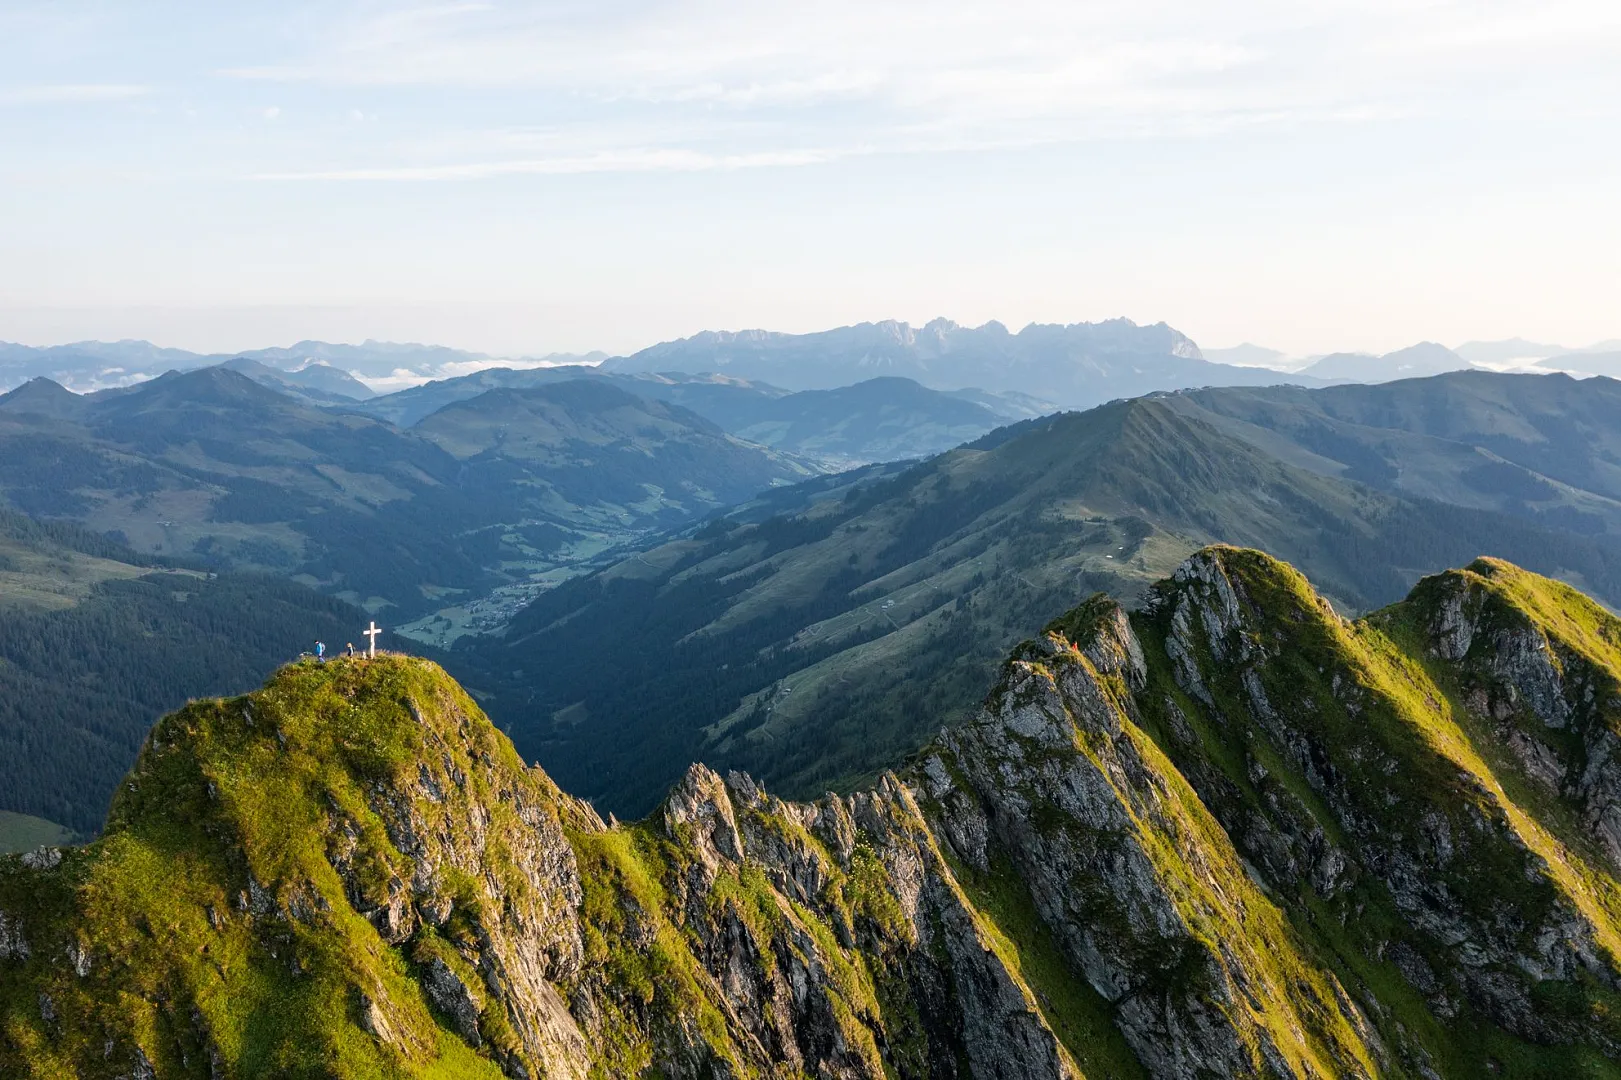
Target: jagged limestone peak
{"points": [[699, 811], [1534, 665], [1100, 629]]}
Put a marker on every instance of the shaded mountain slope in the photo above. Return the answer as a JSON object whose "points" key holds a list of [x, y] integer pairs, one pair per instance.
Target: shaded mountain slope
{"points": [[52, 565], [1546, 447], [42, 397], [1231, 835], [883, 419], [214, 464], [813, 645], [605, 447]]}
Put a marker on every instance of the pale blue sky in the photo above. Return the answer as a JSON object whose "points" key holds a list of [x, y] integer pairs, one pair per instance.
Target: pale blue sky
{"points": [[556, 176]]}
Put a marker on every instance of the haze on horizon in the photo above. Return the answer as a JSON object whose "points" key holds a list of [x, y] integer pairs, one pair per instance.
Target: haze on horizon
{"points": [[560, 177]]}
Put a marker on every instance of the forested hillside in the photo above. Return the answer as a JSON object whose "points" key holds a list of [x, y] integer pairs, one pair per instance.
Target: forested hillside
{"points": [[96, 640]]}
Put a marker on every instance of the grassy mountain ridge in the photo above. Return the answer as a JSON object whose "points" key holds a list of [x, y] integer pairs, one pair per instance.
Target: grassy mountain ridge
{"points": [[1230, 834], [814, 646]]}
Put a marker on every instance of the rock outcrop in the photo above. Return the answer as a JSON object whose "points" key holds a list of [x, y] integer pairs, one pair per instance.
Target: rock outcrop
{"points": [[1232, 834]]}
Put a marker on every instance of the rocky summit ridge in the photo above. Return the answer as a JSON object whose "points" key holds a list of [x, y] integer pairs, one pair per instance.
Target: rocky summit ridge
{"points": [[1230, 834]]}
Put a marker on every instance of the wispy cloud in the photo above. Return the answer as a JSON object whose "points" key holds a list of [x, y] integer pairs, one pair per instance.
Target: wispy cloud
{"points": [[71, 92], [848, 77], [673, 160]]}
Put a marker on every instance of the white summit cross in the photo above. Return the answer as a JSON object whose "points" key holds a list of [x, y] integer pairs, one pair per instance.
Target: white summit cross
{"points": [[371, 646]]}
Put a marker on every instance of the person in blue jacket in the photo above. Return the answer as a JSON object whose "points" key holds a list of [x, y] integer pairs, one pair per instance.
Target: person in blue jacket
{"points": [[320, 652]]}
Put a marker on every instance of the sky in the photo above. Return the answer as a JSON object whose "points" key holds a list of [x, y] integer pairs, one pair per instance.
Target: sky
{"points": [[567, 176]]}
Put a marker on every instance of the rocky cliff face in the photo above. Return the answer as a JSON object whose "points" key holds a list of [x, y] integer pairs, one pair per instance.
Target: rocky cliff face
{"points": [[1229, 835]]}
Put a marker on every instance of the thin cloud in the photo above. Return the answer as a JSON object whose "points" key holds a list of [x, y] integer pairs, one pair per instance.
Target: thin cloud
{"points": [[72, 92], [674, 160]]}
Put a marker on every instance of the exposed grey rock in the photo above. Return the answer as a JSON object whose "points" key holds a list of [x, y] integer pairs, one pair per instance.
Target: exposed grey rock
{"points": [[700, 803], [1088, 870], [13, 945], [79, 958], [43, 858], [141, 1069], [454, 997], [1453, 626]]}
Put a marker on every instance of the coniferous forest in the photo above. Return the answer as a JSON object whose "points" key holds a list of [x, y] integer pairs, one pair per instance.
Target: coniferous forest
{"points": [[79, 686]]}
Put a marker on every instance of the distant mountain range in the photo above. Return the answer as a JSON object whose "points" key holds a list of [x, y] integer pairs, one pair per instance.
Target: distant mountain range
{"points": [[95, 365], [1080, 364], [1425, 358], [1511, 349], [1075, 366], [1506, 351], [1247, 355]]}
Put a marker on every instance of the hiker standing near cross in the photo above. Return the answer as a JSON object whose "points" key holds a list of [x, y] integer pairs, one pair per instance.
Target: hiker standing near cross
{"points": [[371, 645]]}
